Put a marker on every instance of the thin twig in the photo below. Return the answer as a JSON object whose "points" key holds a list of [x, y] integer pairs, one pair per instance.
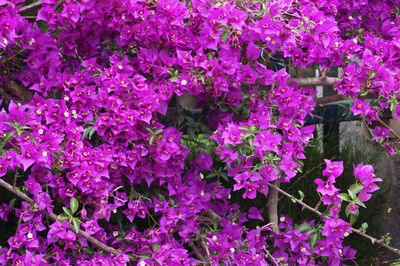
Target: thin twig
{"points": [[318, 204], [304, 175], [53, 216], [305, 206]]}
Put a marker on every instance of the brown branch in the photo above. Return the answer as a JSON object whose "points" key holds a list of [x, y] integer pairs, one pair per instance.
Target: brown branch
{"points": [[24, 94], [197, 252], [303, 175], [53, 216], [273, 207], [29, 8], [388, 263], [213, 215], [320, 81], [391, 130], [330, 99], [5, 94], [305, 206]]}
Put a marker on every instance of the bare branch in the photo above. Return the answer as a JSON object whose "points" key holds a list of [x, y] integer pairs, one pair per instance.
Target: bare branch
{"points": [[29, 8], [197, 252], [330, 99], [273, 207], [305, 206], [53, 216], [14, 92], [320, 81], [213, 215]]}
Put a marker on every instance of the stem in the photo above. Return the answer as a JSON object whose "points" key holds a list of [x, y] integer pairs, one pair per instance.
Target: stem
{"points": [[305, 206], [273, 207], [53, 216]]}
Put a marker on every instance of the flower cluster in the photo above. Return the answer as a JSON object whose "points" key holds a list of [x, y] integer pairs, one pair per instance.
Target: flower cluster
{"points": [[92, 151]]}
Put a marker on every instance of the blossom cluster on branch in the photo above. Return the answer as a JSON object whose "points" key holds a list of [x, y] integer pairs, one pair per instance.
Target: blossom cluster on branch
{"points": [[86, 86]]}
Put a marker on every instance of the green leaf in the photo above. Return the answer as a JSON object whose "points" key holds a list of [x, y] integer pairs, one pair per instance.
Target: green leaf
{"points": [[356, 188], [301, 193], [360, 203], [244, 128], [88, 250], [225, 177], [155, 247], [67, 211], [314, 240], [11, 124], [171, 72], [347, 211], [224, 36], [387, 238], [62, 217], [32, 138], [19, 131], [77, 224], [42, 25], [74, 205], [353, 217], [6, 138], [364, 227], [292, 198], [157, 132], [86, 132], [344, 196], [90, 123], [77, 244], [12, 203], [352, 194], [91, 133], [151, 139], [303, 227], [144, 255]]}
